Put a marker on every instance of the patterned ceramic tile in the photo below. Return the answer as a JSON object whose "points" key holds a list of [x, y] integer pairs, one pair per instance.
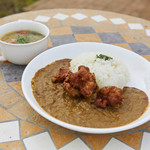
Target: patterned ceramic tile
{"points": [[42, 18], [56, 127], [115, 144], [96, 142], [53, 23], [60, 16], [121, 28], [12, 72], [135, 26], [145, 145], [117, 21], [75, 145], [99, 18], [5, 116], [9, 131], [39, 142], [128, 39], [61, 31], [12, 146], [17, 86], [3, 87], [28, 129], [49, 43], [2, 21], [62, 39], [61, 138], [68, 22], [126, 46], [146, 57], [9, 98], [21, 110], [79, 16], [111, 38], [132, 139], [82, 30], [1, 77], [39, 120], [107, 25], [147, 32], [93, 37], [140, 48]]}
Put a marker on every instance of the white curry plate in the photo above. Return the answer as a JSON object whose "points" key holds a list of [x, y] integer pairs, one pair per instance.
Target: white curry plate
{"points": [[139, 69]]}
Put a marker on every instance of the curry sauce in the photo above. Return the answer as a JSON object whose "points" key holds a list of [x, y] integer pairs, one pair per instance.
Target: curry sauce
{"points": [[80, 111]]}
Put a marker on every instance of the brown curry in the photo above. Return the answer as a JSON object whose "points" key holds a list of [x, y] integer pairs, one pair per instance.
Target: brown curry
{"points": [[81, 111]]}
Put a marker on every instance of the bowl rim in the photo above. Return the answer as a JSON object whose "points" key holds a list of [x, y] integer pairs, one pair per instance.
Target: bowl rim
{"points": [[26, 44], [75, 127]]}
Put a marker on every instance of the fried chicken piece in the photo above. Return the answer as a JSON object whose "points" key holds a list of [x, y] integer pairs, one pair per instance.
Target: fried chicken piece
{"points": [[109, 95], [84, 81], [61, 76], [71, 91]]}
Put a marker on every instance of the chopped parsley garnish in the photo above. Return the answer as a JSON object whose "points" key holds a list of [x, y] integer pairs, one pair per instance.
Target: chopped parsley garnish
{"points": [[22, 39], [102, 56]]}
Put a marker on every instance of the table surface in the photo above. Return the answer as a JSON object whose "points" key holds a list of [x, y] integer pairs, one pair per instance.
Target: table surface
{"points": [[22, 128]]}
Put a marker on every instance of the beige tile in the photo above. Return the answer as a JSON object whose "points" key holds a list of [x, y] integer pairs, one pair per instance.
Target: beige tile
{"points": [[28, 129], [122, 28], [1, 77], [126, 46], [28, 15], [17, 87], [13, 17], [10, 98], [61, 138], [107, 25], [21, 110], [84, 22], [147, 57], [145, 40], [61, 31], [2, 21], [89, 12], [3, 87], [53, 23], [5, 116], [12, 146], [132, 139], [99, 30], [93, 37], [69, 22], [49, 43], [44, 13], [38, 119], [59, 128], [129, 39], [96, 142], [136, 34]]}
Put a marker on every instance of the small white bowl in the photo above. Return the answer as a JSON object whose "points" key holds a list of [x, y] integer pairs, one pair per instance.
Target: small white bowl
{"points": [[139, 78], [23, 53]]}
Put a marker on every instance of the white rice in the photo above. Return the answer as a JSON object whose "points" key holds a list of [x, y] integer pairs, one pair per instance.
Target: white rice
{"points": [[108, 73]]}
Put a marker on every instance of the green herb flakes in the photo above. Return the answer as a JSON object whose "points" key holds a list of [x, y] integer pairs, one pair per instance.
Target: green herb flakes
{"points": [[102, 56]]}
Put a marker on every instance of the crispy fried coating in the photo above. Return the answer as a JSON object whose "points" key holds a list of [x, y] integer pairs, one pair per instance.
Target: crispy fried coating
{"points": [[61, 76], [109, 96], [82, 82]]}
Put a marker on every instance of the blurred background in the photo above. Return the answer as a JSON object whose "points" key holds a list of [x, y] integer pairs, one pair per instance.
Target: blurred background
{"points": [[137, 8]]}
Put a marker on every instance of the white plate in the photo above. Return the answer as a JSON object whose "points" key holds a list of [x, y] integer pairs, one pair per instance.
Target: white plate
{"points": [[139, 69]]}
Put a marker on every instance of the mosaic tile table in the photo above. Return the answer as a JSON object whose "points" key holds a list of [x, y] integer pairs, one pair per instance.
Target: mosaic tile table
{"points": [[22, 128]]}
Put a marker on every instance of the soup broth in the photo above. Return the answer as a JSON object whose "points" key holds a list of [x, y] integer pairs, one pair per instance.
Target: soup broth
{"points": [[22, 37]]}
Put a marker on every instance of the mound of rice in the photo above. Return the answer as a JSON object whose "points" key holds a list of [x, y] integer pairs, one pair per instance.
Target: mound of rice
{"points": [[107, 72]]}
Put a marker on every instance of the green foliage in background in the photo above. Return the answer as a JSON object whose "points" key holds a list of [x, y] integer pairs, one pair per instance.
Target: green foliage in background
{"points": [[8, 7]]}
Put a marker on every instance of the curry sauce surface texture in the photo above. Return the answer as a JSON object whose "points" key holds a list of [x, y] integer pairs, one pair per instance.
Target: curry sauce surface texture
{"points": [[80, 111]]}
